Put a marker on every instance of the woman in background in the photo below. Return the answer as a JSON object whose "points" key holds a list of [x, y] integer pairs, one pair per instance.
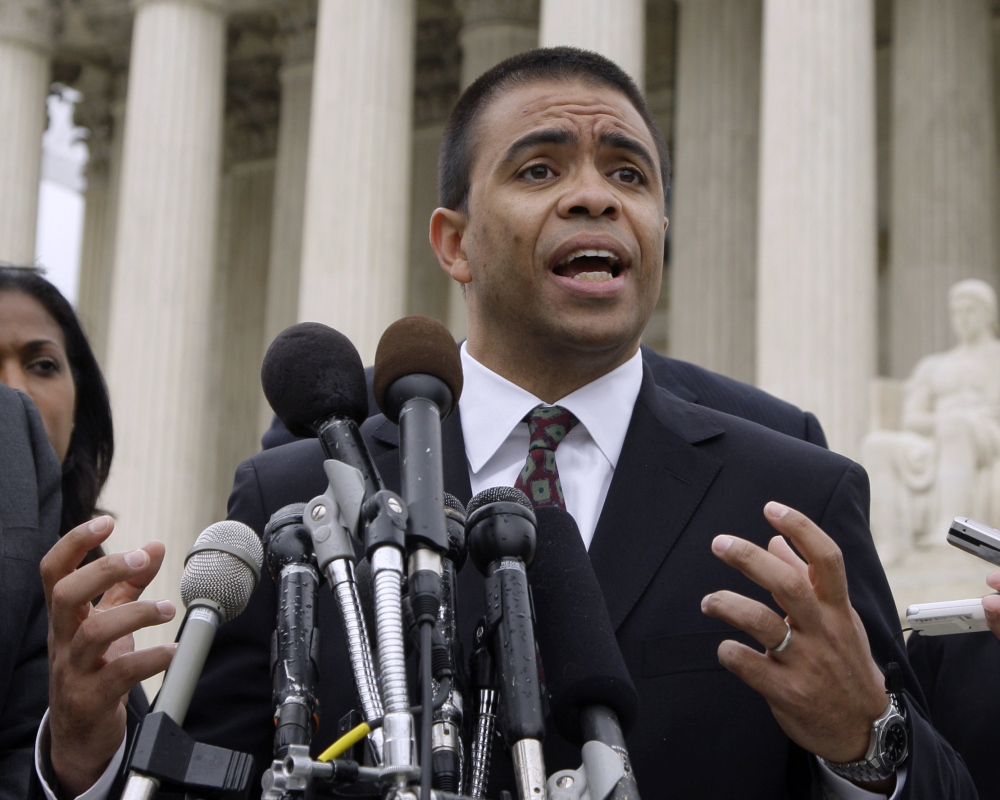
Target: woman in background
{"points": [[45, 354]]}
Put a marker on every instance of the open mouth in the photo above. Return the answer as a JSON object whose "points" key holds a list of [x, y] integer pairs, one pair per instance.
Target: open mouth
{"points": [[595, 266]]}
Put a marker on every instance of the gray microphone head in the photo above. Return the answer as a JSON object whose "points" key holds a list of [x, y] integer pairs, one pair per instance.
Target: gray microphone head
{"points": [[223, 566]]}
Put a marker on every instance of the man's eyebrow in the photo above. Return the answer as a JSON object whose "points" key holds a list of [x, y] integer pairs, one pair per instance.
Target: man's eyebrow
{"points": [[619, 141], [533, 139]]}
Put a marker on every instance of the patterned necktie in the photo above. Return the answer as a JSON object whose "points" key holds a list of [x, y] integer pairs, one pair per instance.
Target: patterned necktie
{"points": [[539, 479]]}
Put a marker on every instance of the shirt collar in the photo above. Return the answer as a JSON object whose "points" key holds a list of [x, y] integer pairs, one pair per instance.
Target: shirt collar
{"points": [[491, 407]]}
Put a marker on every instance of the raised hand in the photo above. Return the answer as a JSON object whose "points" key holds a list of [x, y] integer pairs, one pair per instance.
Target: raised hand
{"points": [[93, 663], [816, 673], [991, 603]]}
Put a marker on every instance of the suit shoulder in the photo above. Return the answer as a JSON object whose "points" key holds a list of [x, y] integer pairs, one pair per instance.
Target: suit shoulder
{"points": [[270, 479], [750, 436], [712, 390]]}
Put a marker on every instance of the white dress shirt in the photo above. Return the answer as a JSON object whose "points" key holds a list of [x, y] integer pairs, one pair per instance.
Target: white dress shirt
{"points": [[496, 436]]}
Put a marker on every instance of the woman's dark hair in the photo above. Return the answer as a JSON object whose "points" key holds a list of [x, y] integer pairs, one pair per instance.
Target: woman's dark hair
{"points": [[91, 447]]}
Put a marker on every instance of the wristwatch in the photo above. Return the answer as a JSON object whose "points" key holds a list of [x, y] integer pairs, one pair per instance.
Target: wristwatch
{"points": [[888, 748]]}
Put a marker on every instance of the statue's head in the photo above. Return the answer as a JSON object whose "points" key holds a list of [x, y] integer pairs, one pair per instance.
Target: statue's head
{"points": [[972, 304]]}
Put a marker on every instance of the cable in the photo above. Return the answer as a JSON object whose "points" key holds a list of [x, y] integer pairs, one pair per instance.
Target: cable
{"points": [[427, 701], [346, 742]]}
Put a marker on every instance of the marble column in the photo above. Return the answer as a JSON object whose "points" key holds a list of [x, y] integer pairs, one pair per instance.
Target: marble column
{"points": [[492, 30], [296, 75], [816, 234], [354, 243], [102, 113], [615, 30], [944, 163], [246, 212], [714, 227], [161, 357], [25, 43]]}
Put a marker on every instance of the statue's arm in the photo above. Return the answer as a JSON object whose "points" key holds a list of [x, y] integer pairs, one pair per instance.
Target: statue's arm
{"points": [[918, 402]]}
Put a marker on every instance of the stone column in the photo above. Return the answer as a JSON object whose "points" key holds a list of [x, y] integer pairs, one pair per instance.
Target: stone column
{"points": [[246, 214], [161, 357], [246, 211], [436, 84], [25, 42], [354, 244], [944, 162], [816, 236], [296, 75], [615, 30], [492, 30], [714, 227], [102, 113]]}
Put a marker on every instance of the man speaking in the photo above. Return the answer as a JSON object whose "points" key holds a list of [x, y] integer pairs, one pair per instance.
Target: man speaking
{"points": [[758, 657]]}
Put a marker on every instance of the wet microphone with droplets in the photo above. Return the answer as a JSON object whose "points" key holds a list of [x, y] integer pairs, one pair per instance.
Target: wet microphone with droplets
{"points": [[446, 735], [295, 645], [417, 382], [501, 533], [314, 380], [593, 697], [221, 571]]}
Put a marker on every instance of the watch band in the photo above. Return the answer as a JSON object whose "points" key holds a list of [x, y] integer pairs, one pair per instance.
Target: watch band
{"points": [[875, 766]]}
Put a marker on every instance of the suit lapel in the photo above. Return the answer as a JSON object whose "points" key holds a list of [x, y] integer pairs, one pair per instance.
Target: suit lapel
{"points": [[660, 480]]}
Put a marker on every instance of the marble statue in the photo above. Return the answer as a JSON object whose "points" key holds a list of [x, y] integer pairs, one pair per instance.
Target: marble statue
{"points": [[941, 463]]}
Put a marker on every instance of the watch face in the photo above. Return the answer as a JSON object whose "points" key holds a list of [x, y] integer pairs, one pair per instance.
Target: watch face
{"points": [[894, 742]]}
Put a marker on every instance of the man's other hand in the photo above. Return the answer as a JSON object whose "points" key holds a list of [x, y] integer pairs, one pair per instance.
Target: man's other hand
{"points": [[991, 603], [93, 663], [823, 688]]}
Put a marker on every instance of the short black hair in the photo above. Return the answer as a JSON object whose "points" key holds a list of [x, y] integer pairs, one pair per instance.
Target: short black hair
{"points": [[544, 64], [91, 447]]}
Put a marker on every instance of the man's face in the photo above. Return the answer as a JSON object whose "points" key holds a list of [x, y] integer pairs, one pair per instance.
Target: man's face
{"points": [[564, 236]]}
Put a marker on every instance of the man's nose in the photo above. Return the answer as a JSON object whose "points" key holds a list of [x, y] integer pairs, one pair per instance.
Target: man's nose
{"points": [[590, 195]]}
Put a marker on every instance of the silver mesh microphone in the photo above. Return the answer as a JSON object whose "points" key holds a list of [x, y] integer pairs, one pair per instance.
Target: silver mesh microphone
{"points": [[223, 567], [220, 573]]}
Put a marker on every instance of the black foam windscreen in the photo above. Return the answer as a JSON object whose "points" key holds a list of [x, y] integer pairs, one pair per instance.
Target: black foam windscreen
{"points": [[583, 664], [312, 372], [416, 345]]}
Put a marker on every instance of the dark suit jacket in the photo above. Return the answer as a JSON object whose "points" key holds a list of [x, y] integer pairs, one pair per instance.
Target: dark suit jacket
{"points": [[960, 676], [29, 525], [684, 475], [689, 382]]}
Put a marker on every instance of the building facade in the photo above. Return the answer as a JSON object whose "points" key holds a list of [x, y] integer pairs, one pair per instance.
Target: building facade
{"points": [[254, 163]]}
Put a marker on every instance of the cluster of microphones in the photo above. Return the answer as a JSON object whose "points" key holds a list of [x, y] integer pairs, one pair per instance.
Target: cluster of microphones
{"points": [[392, 562]]}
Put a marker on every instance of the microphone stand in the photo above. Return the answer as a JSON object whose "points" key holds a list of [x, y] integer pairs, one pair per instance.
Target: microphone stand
{"points": [[332, 519], [484, 684]]}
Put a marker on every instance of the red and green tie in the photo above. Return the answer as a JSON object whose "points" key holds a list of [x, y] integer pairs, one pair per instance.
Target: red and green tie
{"points": [[539, 479]]}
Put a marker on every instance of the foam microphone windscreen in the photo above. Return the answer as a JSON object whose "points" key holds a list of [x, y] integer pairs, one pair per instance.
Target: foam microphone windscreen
{"points": [[583, 664], [312, 372], [416, 345]]}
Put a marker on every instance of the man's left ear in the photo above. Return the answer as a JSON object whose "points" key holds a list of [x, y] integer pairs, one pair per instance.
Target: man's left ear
{"points": [[666, 224], [446, 234]]}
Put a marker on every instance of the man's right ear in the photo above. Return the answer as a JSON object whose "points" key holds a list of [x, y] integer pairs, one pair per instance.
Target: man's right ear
{"points": [[446, 235]]}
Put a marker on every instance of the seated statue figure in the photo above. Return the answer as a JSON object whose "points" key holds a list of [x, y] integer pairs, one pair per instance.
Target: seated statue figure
{"points": [[940, 465]]}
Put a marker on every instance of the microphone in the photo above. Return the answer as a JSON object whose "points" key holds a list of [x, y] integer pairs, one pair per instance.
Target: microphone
{"points": [[501, 532], [446, 734], [295, 644], [220, 573], [314, 380], [417, 381], [593, 698]]}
